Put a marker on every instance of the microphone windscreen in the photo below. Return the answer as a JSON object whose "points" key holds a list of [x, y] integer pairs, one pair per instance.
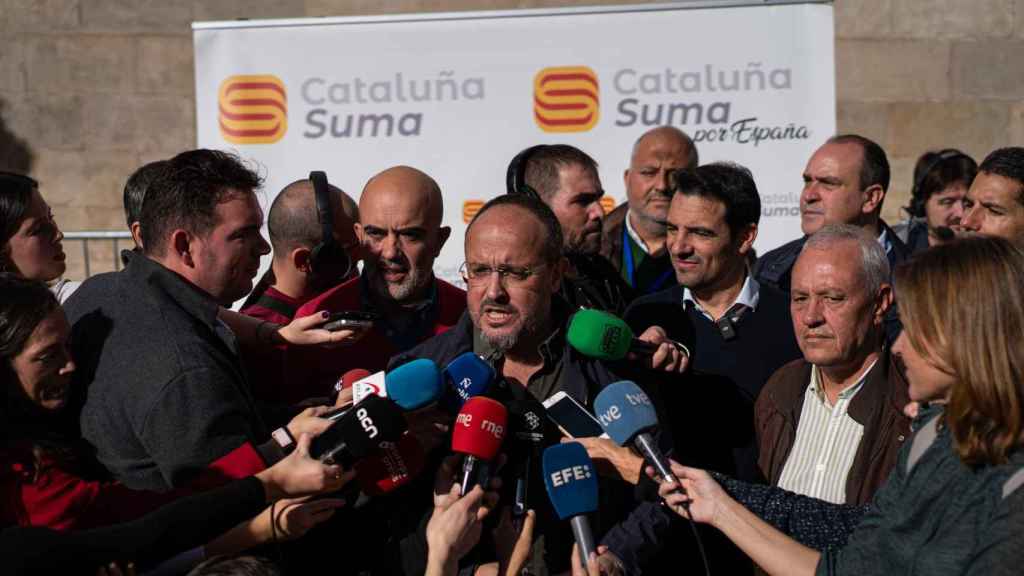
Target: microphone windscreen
{"points": [[349, 378], [361, 430], [414, 384], [480, 428], [599, 335], [393, 466], [624, 410], [571, 479], [467, 376]]}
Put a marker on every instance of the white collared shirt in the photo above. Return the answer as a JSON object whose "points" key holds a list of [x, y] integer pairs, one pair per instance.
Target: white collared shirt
{"points": [[636, 237], [749, 296], [826, 443]]}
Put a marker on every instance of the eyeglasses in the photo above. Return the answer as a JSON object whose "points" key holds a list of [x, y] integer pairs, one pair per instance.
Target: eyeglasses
{"points": [[478, 274]]}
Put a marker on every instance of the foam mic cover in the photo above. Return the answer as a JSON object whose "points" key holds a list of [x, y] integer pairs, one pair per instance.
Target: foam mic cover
{"points": [[478, 433], [414, 384], [394, 465], [466, 376], [627, 415], [571, 482], [359, 432], [601, 335]]}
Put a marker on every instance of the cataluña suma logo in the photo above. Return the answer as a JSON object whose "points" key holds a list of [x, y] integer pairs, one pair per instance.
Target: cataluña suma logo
{"points": [[382, 106]]}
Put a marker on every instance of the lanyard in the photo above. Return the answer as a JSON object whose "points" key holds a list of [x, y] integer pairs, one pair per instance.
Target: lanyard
{"points": [[627, 256]]}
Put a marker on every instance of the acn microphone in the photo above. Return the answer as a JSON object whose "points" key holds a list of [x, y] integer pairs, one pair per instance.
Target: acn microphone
{"points": [[571, 481], [601, 335], [359, 432], [627, 415], [478, 433]]}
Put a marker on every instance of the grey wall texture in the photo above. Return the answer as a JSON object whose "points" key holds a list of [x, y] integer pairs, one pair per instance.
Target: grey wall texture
{"points": [[91, 89]]}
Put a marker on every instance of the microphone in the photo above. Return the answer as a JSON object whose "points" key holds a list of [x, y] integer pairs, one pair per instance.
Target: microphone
{"points": [[627, 415], [349, 378], [412, 385], [359, 432], [467, 376], [571, 481], [528, 431], [478, 432], [603, 336], [394, 466]]}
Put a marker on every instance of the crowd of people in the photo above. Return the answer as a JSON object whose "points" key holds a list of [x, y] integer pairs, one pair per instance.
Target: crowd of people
{"points": [[851, 402]]}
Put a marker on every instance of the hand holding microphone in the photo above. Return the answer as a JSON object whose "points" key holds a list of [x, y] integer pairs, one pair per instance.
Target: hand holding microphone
{"points": [[359, 432], [601, 335], [478, 432], [571, 482]]}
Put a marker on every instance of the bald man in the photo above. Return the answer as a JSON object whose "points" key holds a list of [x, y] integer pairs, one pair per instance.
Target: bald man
{"points": [[634, 233], [400, 230], [295, 230]]}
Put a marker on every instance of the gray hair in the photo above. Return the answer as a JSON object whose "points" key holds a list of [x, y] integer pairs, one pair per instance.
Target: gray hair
{"points": [[874, 264]]}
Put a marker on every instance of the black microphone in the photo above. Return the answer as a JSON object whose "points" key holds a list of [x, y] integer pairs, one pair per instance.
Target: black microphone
{"points": [[359, 432]]}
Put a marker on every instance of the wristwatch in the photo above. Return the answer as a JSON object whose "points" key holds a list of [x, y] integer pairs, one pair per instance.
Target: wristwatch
{"points": [[283, 438]]}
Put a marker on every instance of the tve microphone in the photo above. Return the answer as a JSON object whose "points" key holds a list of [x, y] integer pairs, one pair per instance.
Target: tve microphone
{"points": [[627, 415], [466, 376], [600, 335], [571, 481], [359, 432], [478, 432], [393, 466], [412, 385]]}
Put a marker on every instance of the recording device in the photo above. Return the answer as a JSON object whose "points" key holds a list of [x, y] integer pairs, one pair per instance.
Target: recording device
{"points": [[393, 466], [466, 376], [628, 416], [348, 379], [515, 175], [328, 260], [528, 425], [571, 481], [412, 385], [478, 432], [359, 432], [603, 336], [351, 320], [572, 419]]}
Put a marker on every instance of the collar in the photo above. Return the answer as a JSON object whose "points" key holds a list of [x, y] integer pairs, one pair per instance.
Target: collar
{"points": [[749, 296], [636, 237], [848, 393], [884, 240], [192, 299]]}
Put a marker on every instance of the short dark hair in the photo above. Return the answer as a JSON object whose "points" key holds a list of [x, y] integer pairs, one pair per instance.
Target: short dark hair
{"points": [[544, 164], [1008, 163], [731, 184], [15, 199], [236, 565], [874, 168], [536, 208], [937, 170], [186, 194], [135, 189]]}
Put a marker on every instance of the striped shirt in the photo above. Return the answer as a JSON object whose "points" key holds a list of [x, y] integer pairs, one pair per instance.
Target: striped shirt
{"points": [[826, 443]]}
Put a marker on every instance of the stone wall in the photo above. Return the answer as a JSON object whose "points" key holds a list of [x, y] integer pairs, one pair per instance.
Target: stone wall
{"points": [[91, 89]]}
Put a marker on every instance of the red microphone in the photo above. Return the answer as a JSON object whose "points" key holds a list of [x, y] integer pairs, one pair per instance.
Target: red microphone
{"points": [[349, 378], [395, 464], [478, 432]]}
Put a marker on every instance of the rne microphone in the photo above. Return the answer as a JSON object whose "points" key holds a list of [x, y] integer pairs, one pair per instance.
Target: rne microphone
{"points": [[466, 376], [603, 336], [571, 482], [412, 385], [359, 432], [394, 465], [627, 415], [478, 432]]}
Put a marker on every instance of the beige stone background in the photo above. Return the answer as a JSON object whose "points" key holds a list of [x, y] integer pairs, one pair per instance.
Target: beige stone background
{"points": [[90, 89]]}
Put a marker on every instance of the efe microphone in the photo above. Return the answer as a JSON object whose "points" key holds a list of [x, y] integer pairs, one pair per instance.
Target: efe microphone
{"points": [[477, 433], [571, 482]]}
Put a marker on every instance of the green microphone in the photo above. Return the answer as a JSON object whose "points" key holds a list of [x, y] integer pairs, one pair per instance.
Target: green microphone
{"points": [[601, 335]]}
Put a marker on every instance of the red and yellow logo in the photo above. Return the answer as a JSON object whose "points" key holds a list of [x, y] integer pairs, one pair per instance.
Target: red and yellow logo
{"points": [[565, 99], [253, 109], [607, 204], [470, 208]]}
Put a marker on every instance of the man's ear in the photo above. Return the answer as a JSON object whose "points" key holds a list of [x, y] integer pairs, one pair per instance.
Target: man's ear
{"points": [[442, 236], [181, 246], [559, 272], [873, 197], [746, 239], [301, 259], [136, 230], [882, 303]]}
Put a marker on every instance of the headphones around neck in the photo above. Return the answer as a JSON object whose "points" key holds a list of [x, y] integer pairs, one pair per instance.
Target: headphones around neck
{"points": [[515, 177], [917, 202], [328, 260]]}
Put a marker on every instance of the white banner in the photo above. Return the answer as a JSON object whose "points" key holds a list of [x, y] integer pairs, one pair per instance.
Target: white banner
{"points": [[458, 95]]}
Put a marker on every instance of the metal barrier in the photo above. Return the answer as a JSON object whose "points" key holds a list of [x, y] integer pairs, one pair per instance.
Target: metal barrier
{"points": [[114, 237]]}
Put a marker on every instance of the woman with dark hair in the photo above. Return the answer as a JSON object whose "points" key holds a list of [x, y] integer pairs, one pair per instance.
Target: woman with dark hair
{"points": [[953, 504], [941, 180], [30, 241]]}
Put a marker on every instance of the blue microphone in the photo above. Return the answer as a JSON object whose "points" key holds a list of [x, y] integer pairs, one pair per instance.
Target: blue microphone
{"points": [[627, 415], [571, 481], [467, 376], [414, 384]]}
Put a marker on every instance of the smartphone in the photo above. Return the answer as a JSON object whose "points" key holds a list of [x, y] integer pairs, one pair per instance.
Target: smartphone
{"points": [[573, 419], [351, 320]]}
